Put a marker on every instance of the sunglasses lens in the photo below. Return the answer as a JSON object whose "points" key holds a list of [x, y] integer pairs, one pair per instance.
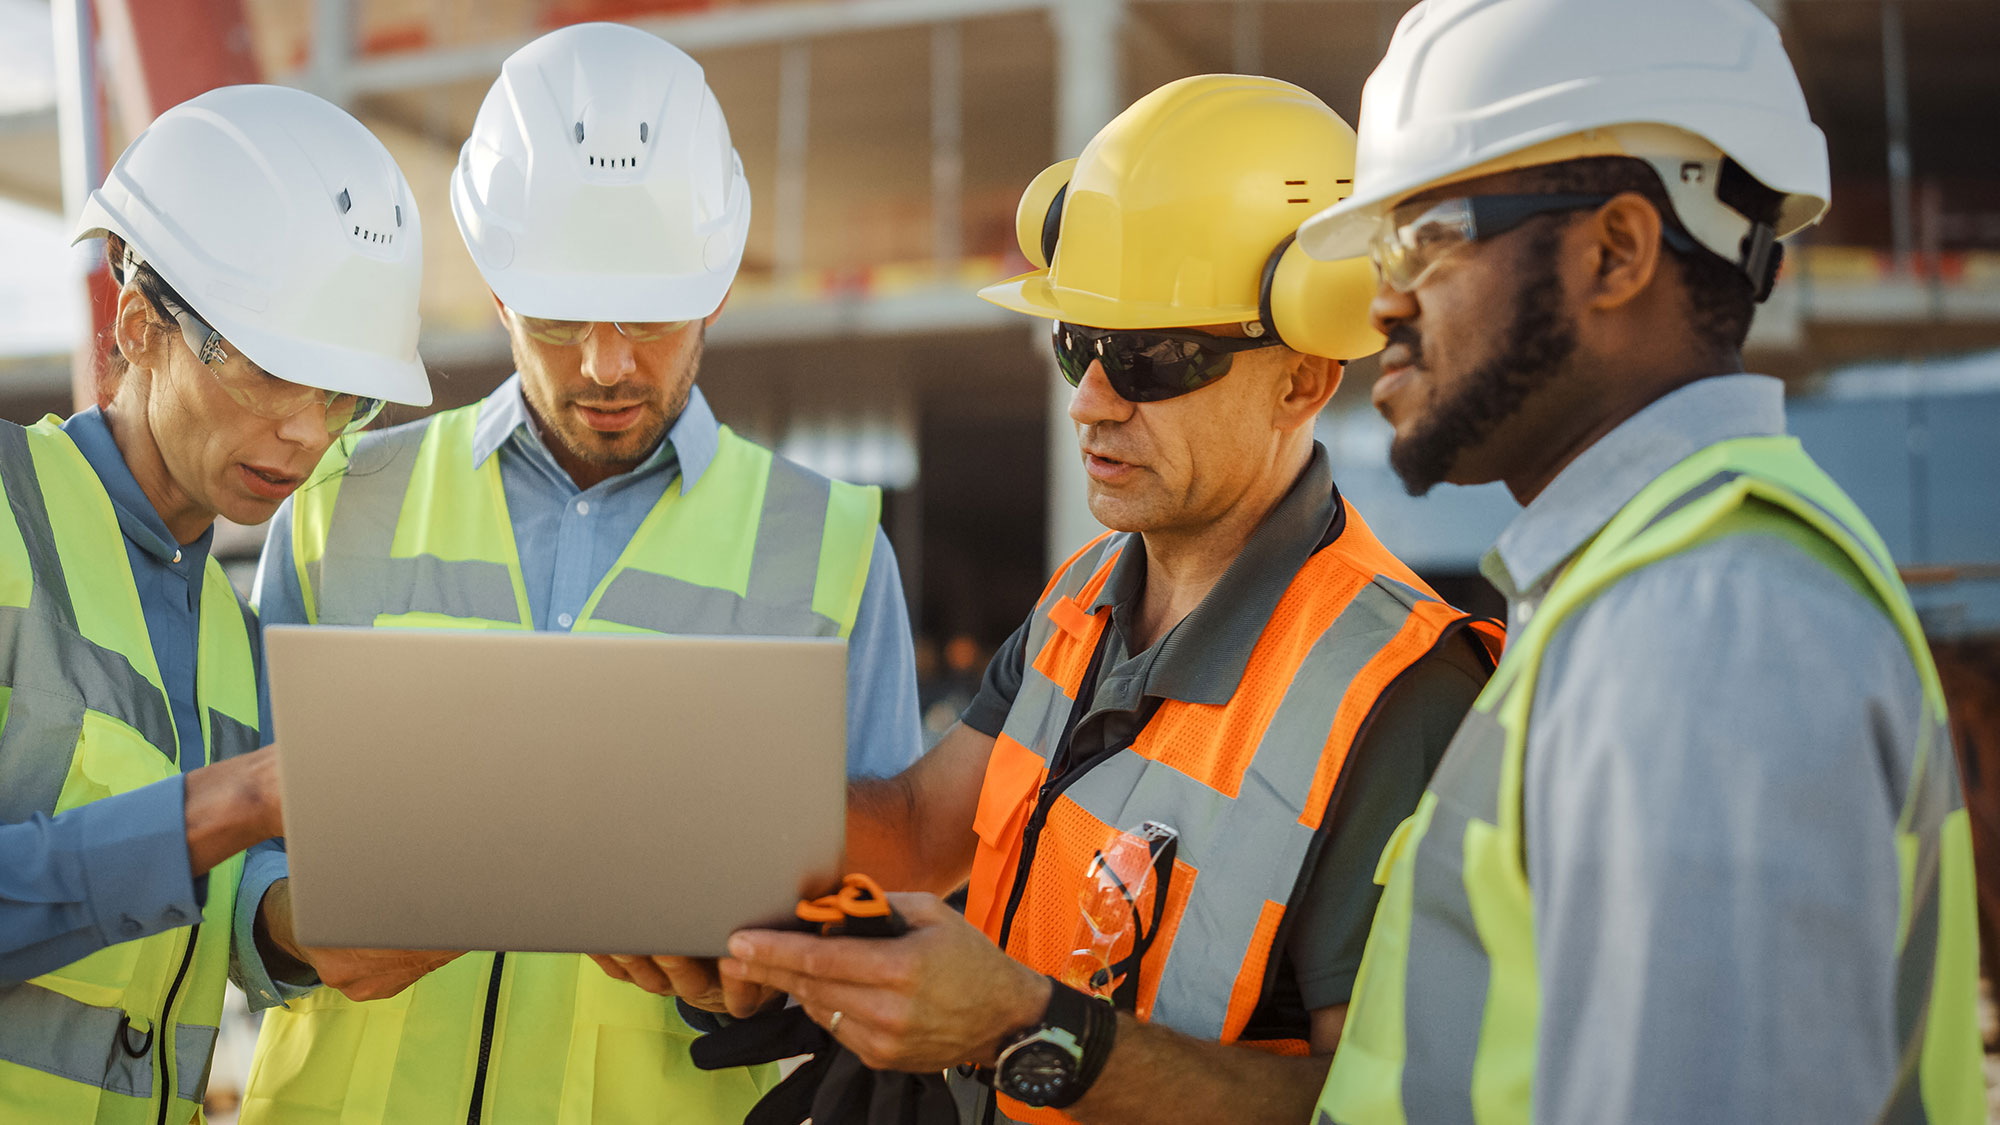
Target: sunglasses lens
{"points": [[1140, 366], [1073, 353]]}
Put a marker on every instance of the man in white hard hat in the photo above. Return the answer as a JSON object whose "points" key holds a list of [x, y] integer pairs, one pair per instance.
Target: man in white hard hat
{"points": [[594, 490], [1698, 852], [268, 258]]}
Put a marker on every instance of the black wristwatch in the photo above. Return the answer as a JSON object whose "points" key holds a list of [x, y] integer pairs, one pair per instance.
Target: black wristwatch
{"points": [[1052, 1063]]}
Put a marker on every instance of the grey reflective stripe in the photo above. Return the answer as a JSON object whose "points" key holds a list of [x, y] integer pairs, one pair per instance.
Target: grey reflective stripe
{"points": [[1445, 1002], [56, 672], [645, 600], [31, 515], [368, 582], [47, 1031], [227, 738], [784, 565], [1932, 798], [1251, 848], [193, 1044]]}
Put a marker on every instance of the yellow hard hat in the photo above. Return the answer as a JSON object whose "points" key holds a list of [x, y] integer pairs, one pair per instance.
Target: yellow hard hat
{"points": [[1182, 212]]}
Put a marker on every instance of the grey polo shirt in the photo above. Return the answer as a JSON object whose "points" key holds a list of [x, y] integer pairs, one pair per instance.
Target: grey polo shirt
{"points": [[1202, 659], [1714, 770]]}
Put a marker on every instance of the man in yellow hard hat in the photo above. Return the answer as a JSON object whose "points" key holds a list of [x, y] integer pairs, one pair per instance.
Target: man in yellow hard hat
{"points": [[1698, 852], [1171, 790]]}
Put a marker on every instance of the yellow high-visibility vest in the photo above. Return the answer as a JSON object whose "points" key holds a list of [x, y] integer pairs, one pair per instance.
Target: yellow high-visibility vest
{"points": [[399, 529], [125, 1035], [1445, 1010]]}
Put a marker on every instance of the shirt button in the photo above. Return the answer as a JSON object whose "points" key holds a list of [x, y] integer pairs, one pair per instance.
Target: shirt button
{"points": [[177, 556], [583, 507], [565, 620]]}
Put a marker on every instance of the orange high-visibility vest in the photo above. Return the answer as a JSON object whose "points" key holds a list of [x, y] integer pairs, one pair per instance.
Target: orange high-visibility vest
{"points": [[1248, 784]]}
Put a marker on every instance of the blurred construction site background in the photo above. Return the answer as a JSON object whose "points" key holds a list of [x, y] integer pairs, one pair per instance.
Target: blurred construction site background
{"points": [[886, 143]]}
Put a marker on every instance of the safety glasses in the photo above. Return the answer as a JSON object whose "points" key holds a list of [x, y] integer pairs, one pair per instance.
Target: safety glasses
{"points": [[1151, 365], [1120, 907], [1414, 239], [259, 391], [569, 333]]}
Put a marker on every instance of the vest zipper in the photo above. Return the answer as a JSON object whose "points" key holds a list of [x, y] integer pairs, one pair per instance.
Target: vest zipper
{"points": [[478, 1107], [163, 1044]]}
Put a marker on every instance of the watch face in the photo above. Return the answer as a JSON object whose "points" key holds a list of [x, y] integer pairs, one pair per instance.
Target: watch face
{"points": [[1037, 1071]]}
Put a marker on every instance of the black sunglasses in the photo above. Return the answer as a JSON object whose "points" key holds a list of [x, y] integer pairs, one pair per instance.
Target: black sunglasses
{"points": [[1150, 365]]}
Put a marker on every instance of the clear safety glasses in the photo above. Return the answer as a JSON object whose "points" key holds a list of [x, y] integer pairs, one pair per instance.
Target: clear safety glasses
{"points": [[262, 393], [1148, 366], [1412, 240], [1121, 906], [569, 333]]}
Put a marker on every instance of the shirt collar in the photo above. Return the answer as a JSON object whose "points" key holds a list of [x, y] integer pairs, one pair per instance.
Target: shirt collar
{"points": [[137, 518], [691, 442], [1202, 659], [1605, 477]]}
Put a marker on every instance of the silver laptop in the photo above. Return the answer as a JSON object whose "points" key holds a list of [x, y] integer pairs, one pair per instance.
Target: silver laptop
{"points": [[449, 789]]}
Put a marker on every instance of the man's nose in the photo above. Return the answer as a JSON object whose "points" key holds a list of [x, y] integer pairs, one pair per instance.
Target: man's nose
{"points": [[1096, 400], [607, 355], [1391, 306]]}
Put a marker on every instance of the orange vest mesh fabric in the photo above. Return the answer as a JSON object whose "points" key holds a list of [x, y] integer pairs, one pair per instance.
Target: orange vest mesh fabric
{"points": [[1210, 744]]}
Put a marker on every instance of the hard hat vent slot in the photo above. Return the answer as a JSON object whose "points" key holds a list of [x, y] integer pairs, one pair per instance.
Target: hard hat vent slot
{"points": [[579, 132], [343, 201], [1297, 183], [642, 132], [377, 237]]}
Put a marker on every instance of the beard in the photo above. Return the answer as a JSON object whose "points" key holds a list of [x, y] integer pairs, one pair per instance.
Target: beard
{"points": [[627, 447], [1538, 341]]}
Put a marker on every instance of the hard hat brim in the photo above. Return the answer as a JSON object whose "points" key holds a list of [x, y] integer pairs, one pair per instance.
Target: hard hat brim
{"points": [[606, 297], [1032, 293]]}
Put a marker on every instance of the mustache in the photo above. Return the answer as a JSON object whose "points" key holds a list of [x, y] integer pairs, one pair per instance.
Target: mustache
{"points": [[1406, 337]]}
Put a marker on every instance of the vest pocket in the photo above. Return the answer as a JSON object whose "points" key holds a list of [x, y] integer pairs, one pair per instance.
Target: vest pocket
{"points": [[110, 758]]}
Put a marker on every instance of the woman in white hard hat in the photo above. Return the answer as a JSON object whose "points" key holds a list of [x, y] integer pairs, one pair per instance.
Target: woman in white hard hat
{"points": [[268, 256]]}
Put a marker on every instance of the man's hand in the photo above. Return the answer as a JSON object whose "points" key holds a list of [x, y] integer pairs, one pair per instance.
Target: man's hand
{"points": [[231, 805], [358, 974], [693, 979], [938, 996]]}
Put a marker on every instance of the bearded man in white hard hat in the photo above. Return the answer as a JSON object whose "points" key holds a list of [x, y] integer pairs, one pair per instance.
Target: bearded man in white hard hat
{"points": [[594, 490], [1698, 853], [268, 258]]}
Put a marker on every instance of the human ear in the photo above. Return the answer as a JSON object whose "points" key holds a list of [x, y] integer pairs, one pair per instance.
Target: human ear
{"points": [[138, 333], [1307, 389], [1625, 235]]}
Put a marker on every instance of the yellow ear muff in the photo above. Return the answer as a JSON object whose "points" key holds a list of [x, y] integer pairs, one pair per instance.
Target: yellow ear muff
{"points": [[1039, 216], [1319, 308]]}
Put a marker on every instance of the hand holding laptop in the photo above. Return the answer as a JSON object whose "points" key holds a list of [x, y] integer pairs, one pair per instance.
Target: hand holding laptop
{"points": [[358, 974]]}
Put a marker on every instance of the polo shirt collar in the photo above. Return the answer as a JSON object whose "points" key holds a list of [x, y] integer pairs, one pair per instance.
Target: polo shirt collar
{"points": [[1203, 658], [691, 441], [137, 517], [1605, 477]]}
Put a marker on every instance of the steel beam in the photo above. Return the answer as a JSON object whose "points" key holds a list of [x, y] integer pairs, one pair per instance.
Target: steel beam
{"points": [[80, 143], [947, 147], [794, 121], [1089, 93]]}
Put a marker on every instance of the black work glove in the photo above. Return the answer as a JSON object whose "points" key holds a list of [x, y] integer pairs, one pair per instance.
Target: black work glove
{"points": [[832, 1087]]}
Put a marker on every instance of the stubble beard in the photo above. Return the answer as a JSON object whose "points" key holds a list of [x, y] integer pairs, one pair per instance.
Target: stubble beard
{"points": [[627, 447], [1539, 340]]}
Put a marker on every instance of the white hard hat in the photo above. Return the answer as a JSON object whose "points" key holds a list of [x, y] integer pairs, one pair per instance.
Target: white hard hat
{"points": [[286, 226], [599, 182], [1473, 87]]}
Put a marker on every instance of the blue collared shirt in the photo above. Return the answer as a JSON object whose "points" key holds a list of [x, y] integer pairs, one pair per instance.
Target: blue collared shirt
{"points": [[569, 538], [117, 869], [1711, 787]]}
